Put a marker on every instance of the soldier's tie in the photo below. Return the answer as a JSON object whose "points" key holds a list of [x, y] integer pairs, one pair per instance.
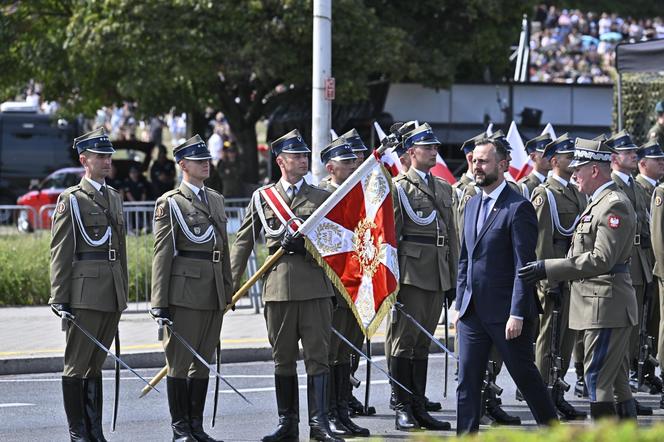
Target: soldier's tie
{"points": [[292, 191], [203, 197]]}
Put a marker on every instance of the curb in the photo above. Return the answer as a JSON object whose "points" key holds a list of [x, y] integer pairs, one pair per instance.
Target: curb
{"points": [[155, 359]]}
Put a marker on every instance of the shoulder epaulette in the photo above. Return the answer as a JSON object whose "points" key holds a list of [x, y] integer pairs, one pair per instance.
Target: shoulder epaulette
{"points": [[112, 188], [73, 189]]}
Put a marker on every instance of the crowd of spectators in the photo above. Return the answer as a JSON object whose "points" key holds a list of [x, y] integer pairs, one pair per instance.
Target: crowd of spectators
{"points": [[571, 46]]}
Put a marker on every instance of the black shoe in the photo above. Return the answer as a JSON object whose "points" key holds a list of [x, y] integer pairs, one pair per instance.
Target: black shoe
{"points": [[288, 407], [94, 401], [653, 383], [626, 410], [319, 427], [357, 408], [73, 394], [566, 411], [401, 370], [432, 406], [178, 403], [495, 411], [600, 410], [342, 378], [419, 383], [197, 394], [642, 410], [580, 389]]}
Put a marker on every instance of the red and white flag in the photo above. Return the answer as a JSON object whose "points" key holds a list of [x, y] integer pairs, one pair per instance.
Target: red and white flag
{"points": [[548, 129], [352, 236], [442, 171], [521, 165]]}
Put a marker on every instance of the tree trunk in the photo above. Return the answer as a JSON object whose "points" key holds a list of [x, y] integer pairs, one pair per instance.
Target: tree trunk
{"points": [[245, 135]]}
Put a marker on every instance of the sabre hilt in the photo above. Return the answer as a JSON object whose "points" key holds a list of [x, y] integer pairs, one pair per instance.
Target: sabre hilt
{"points": [[65, 318], [160, 330], [393, 313]]}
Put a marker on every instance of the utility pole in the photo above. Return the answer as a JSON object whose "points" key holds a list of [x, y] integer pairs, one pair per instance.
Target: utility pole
{"points": [[322, 85]]}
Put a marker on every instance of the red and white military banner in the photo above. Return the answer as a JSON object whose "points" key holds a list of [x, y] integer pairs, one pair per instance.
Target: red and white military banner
{"points": [[353, 237]]}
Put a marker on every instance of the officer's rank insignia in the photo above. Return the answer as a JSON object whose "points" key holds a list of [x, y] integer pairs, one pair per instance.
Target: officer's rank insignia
{"points": [[61, 207], [614, 221], [197, 230], [658, 201], [159, 212], [538, 201]]}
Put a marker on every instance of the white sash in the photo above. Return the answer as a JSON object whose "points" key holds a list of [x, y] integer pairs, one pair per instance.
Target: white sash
{"points": [[174, 210], [76, 215], [411, 213], [555, 219]]}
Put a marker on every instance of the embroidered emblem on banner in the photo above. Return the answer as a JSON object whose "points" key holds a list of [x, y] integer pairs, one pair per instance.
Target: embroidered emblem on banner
{"points": [[367, 248]]}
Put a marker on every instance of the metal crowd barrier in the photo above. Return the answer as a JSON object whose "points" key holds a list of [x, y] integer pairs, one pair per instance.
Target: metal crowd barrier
{"points": [[13, 217], [138, 218]]}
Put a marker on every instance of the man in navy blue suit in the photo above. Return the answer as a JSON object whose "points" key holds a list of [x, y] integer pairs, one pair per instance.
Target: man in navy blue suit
{"points": [[495, 307]]}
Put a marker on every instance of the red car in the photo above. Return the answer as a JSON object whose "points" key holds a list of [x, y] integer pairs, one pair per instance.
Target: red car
{"points": [[46, 193], [128, 154]]}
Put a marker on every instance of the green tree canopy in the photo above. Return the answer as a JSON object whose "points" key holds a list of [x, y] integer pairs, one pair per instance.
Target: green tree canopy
{"points": [[243, 57]]}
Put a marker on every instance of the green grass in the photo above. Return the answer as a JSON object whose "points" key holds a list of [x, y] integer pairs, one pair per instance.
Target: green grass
{"points": [[24, 268]]}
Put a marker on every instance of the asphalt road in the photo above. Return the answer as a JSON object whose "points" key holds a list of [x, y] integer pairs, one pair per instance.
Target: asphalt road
{"points": [[31, 405]]}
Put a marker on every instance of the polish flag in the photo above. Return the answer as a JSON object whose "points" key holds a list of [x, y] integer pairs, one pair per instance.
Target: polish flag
{"points": [[520, 165], [442, 171]]}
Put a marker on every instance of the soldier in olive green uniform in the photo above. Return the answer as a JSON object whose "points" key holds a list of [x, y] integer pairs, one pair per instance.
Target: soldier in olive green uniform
{"points": [[340, 161], [603, 303], [651, 170], [427, 241], [623, 165], [580, 389], [465, 189], [191, 284], [535, 150], [657, 232], [361, 151], [88, 280], [656, 133], [297, 293], [558, 205]]}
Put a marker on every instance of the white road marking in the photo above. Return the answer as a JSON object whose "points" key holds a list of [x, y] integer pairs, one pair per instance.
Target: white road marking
{"points": [[16, 404]]}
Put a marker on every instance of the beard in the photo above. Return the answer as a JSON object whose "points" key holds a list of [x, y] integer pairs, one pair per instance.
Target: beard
{"points": [[486, 179]]}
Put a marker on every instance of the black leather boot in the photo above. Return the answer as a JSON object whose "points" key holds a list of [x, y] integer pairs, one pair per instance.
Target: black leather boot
{"points": [[342, 380], [495, 412], [600, 410], [336, 426], [178, 404], [94, 401], [566, 411], [288, 407], [580, 389], [401, 370], [319, 427], [73, 394], [419, 383], [626, 410], [197, 394]]}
